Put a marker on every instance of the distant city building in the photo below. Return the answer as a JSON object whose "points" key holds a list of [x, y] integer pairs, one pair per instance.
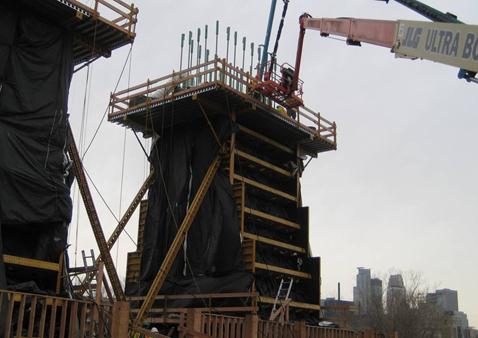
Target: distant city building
{"points": [[376, 289], [340, 312], [362, 290], [396, 292], [446, 299]]}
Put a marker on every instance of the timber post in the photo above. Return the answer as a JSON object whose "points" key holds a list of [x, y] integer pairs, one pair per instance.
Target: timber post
{"points": [[300, 330], [120, 320], [251, 326]]}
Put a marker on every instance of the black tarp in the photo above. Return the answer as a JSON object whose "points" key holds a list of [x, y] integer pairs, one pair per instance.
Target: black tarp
{"points": [[36, 64], [180, 159]]}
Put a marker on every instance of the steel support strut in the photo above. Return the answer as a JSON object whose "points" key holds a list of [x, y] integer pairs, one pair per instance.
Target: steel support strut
{"points": [[178, 240], [120, 227], [93, 217]]}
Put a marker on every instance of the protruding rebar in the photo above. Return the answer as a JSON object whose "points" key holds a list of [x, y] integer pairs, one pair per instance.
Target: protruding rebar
{"points": [[243, 52], [182, 48], [189, 48], [217, 37], [252, 57], [228, 37], [235, 48], [205, 41]]}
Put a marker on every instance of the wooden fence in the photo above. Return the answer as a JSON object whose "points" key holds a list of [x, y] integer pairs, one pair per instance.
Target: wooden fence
{"points": [[26, 315]]}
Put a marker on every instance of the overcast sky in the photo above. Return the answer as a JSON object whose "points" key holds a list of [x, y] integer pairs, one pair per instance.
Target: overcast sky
{"points": [[401, 191]]}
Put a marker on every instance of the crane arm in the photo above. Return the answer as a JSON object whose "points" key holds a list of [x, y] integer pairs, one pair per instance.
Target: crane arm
{"points": [[428, 11], [376, 32], [448, 43]]}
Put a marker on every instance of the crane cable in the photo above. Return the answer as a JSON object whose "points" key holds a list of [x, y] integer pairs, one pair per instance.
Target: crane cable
{"points": [[279, 33]]}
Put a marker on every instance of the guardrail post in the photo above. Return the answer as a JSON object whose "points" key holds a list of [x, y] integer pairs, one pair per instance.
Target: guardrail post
{"points": [[251, 326], [300, 331], [120, 320], [193, 320]]}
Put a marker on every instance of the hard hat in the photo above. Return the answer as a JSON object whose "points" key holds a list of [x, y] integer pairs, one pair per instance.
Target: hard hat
{"points": [[155, 330]]}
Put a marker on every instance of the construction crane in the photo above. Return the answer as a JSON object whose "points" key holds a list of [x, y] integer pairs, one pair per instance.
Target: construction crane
{"points": [[436, 16], [427, 11], [453, 44], [448, 41]]}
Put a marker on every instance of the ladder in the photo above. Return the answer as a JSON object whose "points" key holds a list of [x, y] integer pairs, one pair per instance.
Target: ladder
{"points": [[91, 289], [282, 298]]}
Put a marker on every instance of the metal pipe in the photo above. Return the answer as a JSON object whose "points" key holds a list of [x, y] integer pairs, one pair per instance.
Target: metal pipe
{"points": [[243, 51], [228, 36], [267, 39], [252, 57], [205, 41], [217, 37], [189, 48], [198, 57], [235, 47], [182, 48]]}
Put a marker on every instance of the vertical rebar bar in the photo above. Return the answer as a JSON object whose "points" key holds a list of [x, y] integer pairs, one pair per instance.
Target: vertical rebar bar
{"points": [[205, 42], [199, 79], [207, 60], [217, 37], [182, 48], [235, 48], [228, 37], [189, 48], [252, 57], [243, 52]]}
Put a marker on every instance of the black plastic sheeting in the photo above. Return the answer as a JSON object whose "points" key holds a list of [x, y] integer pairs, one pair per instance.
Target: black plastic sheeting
{"points": [[36, 65], [180, 158]]}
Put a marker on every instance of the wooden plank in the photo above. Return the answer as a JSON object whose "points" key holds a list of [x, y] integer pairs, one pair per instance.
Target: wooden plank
{"points": [[271, 218], [84, 309], [64, 310], [278, 269], [119, 326], [274, 242], [265, 187], [205, 309], [31, 320], [307, 306], [266, 139], [52, 326], [199, 295], [9, 317], [72, 331], [31, 263], [263, 163], [21, 315], [42, 318]]}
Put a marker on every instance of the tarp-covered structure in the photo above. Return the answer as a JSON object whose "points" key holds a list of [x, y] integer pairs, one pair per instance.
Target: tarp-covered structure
{"points": [[36, 65], [211, 259]]}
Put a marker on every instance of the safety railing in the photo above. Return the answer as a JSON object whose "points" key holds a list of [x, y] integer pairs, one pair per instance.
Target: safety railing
{"points": [[117, 13], [30, 315], [323, 332], [212, 73], [222, 326], [275, 329]]}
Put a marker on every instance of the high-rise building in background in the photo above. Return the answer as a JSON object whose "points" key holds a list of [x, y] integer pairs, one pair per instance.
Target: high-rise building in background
{"points": [[396, 293], [446, 299], [367, 292]]}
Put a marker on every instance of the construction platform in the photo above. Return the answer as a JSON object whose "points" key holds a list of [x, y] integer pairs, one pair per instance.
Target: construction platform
{"points": [[263, 162], [98, 26], [220, 88]]}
